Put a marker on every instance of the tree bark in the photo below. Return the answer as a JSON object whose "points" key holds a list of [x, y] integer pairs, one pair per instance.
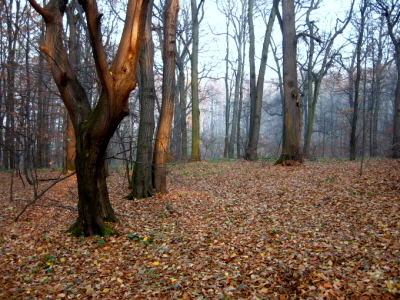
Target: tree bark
{"points": [[195, 155], [168, 95], [257, 89], [292, 106], [360, 40], [142, 177]]}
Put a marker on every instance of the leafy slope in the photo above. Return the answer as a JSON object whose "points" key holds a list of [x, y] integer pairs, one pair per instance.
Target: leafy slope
{"points": [[226, 230]]}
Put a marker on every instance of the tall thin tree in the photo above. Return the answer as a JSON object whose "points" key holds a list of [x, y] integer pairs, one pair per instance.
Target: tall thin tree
{"points": [[168, 95]]}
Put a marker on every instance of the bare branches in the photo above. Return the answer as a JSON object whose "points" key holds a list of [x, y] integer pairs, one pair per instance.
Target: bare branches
{"points": [[37, 197]]}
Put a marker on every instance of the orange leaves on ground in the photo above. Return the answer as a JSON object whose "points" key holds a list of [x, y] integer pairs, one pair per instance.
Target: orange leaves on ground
{"points": [[238, 230]]}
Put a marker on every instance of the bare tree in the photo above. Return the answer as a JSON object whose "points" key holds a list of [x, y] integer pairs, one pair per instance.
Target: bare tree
{"points": [[391, 11], [257, 86], [360, 40], [314, 77], [94, 127]]}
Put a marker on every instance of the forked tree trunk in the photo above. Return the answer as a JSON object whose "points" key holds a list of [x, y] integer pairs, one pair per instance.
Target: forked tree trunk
{"points": [[257, 86], [94, 128]]}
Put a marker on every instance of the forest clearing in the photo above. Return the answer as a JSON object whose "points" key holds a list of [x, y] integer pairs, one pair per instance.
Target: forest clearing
{"points": [[225, 230]]}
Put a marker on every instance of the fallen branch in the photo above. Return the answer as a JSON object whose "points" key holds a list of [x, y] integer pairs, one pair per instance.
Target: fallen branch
{"points": [[37, 197]]}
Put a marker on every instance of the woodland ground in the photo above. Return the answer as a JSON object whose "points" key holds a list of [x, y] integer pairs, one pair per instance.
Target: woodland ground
{"points": [[239, 230]]}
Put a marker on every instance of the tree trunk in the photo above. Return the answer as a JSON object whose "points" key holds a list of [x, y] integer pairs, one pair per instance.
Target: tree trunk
{"points": [[227, 93], [94, 128], [142, 177], [292, 107], [257, 90], [360, 40], [195, 156], [182, 104], [391, 15], [12, 25], [240, 31], [168, 95], [70, 147]]}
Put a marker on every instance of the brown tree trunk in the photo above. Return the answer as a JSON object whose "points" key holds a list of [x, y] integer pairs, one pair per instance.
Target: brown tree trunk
{"points": [[292, 107], [142, 177], [94, 128], [195, 156], [360, 40], [70, 147], [168, 95]]}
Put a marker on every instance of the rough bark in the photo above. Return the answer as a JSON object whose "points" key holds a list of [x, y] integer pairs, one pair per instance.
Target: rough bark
{"points": [[142, 177], [292, 107], [93, 128], [168, 95]]}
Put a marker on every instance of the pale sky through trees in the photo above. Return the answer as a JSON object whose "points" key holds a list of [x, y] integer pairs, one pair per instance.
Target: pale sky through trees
{"points": [[212, 37]]}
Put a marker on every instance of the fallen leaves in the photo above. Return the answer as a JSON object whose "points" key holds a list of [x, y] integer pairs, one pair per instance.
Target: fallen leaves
{"points": [[241, 230]]}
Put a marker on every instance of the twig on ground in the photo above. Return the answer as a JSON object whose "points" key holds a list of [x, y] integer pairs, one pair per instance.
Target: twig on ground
{"points": [[41, 194]]}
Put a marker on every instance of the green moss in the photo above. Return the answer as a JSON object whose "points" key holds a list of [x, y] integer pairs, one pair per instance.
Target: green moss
{"points": [[110, 231], [76, 229]]}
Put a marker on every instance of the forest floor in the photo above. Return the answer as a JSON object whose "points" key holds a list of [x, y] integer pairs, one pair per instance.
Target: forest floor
{"points": [[239, 230]]}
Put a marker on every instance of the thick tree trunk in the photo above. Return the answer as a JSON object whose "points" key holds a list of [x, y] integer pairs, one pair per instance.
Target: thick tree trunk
{"points": [[94, 128], [292, 107], [168, 95]]}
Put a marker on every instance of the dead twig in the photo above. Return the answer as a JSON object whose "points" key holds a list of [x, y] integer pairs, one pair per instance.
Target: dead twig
{"points": [[37, 197]]}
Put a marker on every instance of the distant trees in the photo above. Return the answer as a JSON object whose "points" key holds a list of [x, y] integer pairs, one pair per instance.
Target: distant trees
{"points": [[321, 57]]}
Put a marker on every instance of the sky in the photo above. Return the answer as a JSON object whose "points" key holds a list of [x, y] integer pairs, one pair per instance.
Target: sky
{"points": [[213, 41]]}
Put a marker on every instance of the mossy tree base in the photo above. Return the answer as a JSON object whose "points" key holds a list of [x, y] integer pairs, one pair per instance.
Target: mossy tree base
{"points": [[77, 230]]}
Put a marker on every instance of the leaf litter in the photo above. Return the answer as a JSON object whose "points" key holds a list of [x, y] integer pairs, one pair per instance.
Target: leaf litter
{"points": [[225, 230]]}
